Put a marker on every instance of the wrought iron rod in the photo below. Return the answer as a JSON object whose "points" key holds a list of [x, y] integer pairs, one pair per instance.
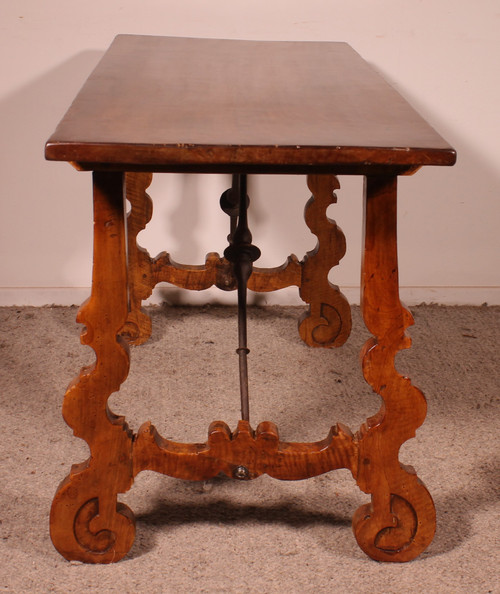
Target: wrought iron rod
{"points": [[243, 270], [242, 254]]}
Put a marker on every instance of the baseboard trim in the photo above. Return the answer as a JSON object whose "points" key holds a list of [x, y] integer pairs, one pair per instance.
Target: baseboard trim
{"points": [[42, 296]]}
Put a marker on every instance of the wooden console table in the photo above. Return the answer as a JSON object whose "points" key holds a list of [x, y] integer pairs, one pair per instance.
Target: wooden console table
{"points": [[158, 104]]}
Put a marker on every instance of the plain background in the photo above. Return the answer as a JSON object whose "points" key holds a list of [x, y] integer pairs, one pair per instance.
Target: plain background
{"points": [[441, 55]]}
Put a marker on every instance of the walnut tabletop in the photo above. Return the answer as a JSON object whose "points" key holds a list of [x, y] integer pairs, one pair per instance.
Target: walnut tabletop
{"points": [[176, 104]]}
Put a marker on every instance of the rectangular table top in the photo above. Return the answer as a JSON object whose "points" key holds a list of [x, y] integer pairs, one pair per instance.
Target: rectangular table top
{"points": [[174, 104]]}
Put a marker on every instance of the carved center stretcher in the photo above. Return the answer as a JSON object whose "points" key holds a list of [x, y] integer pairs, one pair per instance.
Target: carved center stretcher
{"points": [[158, 104]]}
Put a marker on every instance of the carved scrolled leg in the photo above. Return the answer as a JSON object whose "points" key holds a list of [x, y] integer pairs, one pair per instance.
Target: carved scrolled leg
{"points": [[327, 323], [399, 523], [86, 522], [82, 531], [401, 533], [115, 538], [138, 326]]}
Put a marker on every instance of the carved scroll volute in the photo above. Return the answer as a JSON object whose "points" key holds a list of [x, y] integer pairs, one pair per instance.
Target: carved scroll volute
{"points": [[87, 523], [327, 323], [400, 521]]}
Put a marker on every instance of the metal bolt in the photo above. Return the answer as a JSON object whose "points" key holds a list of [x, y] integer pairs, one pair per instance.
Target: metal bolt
{"points": [[241, 473]]}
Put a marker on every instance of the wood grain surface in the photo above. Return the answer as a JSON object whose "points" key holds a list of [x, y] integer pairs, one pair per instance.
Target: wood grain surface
{"points": [[165, 103], [159, 104]]}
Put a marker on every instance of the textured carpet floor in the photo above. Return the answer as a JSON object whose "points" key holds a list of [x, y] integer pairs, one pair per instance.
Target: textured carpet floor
{"points": [[265, 535]]}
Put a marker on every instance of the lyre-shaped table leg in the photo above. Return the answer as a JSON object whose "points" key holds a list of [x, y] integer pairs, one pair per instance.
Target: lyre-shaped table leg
{"points": [[400, 521], [327, 323], [137, 329], [86, 522]]}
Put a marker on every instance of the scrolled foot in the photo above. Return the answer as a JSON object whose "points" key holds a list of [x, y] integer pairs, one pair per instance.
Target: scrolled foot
{"points": [[82, 534], [325, 328], [399, 536], [137, 328]]}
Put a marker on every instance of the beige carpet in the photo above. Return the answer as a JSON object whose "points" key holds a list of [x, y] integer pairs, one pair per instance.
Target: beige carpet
{"points": [[262, 536]]}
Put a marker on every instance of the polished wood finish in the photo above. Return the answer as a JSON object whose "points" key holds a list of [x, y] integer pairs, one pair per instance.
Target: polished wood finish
{"points": [[328, 320], [137, 328], [244, 454], [327, 323], [400, 521], [213, 105], [164, 104], [86, 522]]}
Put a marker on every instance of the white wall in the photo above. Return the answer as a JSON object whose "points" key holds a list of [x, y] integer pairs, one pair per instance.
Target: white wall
{"points": [[442, 55]]}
